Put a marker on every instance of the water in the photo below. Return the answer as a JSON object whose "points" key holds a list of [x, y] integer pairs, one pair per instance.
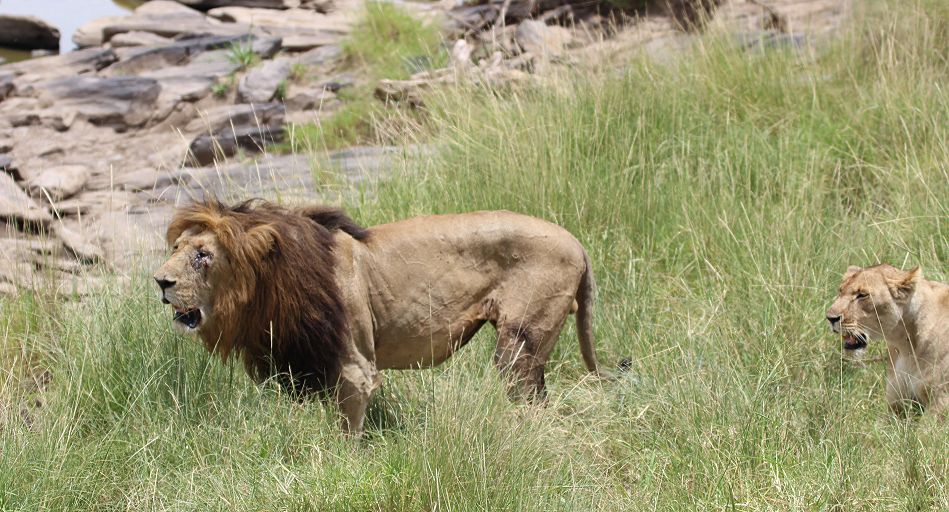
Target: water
{"points": [[66, 15]]}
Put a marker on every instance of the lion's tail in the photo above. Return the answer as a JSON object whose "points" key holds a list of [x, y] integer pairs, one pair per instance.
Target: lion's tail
{"points": [[585, 315]]}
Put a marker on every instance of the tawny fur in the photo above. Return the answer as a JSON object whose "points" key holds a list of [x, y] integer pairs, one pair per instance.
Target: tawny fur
{"points": [[310, 297], [911, 315]]}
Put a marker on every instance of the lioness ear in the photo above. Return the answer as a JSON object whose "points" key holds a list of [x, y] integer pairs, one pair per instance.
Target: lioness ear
{"points": [[852, 269], [903, 285]]}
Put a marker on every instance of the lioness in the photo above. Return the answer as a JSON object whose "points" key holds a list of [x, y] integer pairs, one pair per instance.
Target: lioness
{"points": [[306, 295], [912, 315]]}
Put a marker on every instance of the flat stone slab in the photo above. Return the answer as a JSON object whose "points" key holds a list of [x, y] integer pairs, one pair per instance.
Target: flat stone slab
{"points": [[118, 102]]}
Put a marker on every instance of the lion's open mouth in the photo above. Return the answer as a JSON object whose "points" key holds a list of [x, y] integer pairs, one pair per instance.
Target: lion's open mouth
{"points": [[854, 341], [190, 318]]}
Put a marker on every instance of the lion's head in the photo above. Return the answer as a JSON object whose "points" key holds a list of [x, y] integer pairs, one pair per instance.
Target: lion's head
{"points": [[871, 303], [258, 280]]}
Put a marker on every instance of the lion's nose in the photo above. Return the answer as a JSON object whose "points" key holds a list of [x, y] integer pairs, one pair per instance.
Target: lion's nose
{"points": [[164, 283], [833, 319]]}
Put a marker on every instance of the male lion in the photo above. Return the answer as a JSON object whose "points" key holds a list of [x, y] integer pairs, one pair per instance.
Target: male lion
{"points": [[309, 297], [912, 315]]}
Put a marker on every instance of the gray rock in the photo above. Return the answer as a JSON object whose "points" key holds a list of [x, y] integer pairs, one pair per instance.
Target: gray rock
{"points": [[145, 179], [165, 19], [72, 63], [319, 56], [205, 149], [540, 39], [6, 84], [118, 102], [261, 83], [59, 182], [337, 82], [90, 34], [306, 98], [6, 163], [266, 47], [136, 61], [231, 127], [300, 29], [28, 33], [211, 65], [135, 38], [6, 145], [16, 205], [218, 119], [78, 245]]}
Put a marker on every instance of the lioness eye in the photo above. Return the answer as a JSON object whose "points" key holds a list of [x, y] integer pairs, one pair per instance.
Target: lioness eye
{"points": [[862, 295]]}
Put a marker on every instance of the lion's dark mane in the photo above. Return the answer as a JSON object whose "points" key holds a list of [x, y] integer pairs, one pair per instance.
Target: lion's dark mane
{"points": [[290, 322]]}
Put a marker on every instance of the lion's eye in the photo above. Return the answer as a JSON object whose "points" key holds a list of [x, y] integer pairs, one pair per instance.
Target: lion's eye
{"points": [[862, 295]]}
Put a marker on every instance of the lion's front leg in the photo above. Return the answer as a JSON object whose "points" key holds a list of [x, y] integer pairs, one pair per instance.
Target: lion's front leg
{"points": [[358, 379]]}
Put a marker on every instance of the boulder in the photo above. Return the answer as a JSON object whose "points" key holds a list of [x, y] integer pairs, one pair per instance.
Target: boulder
{"points": [[205, 149], [6, 163], [307, 98], [232, 127], [28, 33], [59, 182], [16, 205], [90, 34], [260, 84], [119, 102], [538, 38]]}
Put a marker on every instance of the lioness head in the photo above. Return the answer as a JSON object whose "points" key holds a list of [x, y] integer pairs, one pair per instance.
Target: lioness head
{"points": [[870, 303]]}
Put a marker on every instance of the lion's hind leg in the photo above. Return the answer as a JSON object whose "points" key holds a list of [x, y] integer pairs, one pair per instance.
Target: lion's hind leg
{"points": [[524, 345]]}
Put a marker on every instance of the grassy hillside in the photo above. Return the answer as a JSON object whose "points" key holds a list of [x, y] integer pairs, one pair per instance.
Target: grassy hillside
{"points": [[720, 198]]}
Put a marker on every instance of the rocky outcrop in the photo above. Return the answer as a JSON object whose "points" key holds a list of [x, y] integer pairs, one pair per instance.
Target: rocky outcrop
{"points": [[120, 102], [28, 33]]}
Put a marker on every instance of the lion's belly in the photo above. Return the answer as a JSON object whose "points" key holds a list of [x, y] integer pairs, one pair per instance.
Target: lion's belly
{"points": [[426, 342]]}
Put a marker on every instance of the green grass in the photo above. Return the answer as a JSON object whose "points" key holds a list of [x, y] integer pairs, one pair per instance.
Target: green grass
{"points": [[387, 42], [242, 54], [720, 199]]}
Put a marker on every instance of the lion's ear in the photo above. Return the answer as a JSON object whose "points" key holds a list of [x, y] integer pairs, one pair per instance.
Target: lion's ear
{"points": [[903, 284], [259, 241], [853, 269]]}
